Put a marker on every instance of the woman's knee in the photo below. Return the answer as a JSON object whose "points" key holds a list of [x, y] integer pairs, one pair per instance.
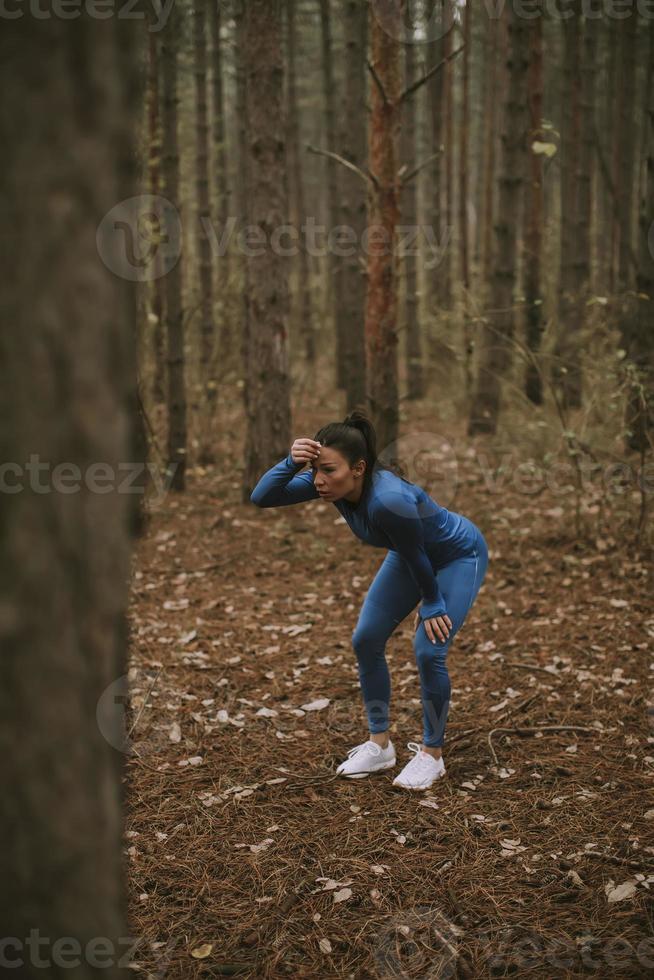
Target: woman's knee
{"points": [[430, 654], [366, 638]]}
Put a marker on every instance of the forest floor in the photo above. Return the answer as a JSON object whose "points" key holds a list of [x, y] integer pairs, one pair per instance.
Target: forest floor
{"points": [[247, 855]]}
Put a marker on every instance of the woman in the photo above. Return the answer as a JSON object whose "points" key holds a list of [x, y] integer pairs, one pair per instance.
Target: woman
{"points": [[434, 555]]}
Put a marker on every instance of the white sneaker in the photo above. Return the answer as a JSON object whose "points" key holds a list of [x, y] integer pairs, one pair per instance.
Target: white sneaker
{"points": [[421, 771], [366, 758]]}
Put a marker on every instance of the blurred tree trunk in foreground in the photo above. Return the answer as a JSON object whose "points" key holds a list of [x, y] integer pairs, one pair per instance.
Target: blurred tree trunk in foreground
{"points": [[67, 399]]}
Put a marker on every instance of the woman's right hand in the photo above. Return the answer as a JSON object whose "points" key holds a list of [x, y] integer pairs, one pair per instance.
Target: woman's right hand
{"points": [[305, 450]]}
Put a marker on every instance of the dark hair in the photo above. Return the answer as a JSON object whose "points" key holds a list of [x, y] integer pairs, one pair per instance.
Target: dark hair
{"points": [[355, 438]]}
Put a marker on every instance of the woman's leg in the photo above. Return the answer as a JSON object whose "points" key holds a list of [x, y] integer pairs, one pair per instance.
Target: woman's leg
{"points": [[459, 583], [390, 598]]}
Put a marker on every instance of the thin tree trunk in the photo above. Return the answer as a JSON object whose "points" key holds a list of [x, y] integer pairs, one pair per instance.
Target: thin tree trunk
{"points": [[383, 211], [266, 365], [353, 197], [463, 200], [626, 138], [298, 209], [495, 54], [495, 354], [412, 346], [68, 397], [612, 151], [154, 180], [534, 213], [566, 367], [582, 253], [173, 279], [638, 334], [221, 185], [436, 25], [333, 266], [206, 427], [448, 141], [242, 185]]}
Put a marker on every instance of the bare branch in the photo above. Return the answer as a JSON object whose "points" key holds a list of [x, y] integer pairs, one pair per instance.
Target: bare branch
{"points": [[365, 175], [377, 79], [432, 71], [421, 166]]}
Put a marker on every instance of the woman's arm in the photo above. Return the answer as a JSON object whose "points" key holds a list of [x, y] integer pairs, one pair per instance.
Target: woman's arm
{"points": [[283, 484], [397, 516]]}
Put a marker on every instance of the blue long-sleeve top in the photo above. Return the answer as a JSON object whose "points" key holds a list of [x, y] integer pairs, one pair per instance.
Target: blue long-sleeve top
{"points": [[392, 514]]}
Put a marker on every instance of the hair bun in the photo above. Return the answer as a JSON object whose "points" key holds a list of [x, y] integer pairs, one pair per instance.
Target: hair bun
{"points": [[355, 418]]}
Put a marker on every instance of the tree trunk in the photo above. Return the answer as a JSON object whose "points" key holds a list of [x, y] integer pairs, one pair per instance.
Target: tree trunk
{"points": [[67, 405], [445, 267], [154, 180], [582, 254], [242, 193], [495, 354], [203, 226], [353, 209], [626, 139], [176, 468], [266, 362], [298, 207], [335, 290], [412, 346], [495, 54], [566, 367], [534, 214], [638, 335], [383, 211], [436, 25], [221, 188], [463, 202]]}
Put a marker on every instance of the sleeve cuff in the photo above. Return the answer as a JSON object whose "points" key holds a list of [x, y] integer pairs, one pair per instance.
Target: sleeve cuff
{"points": [[434, 608]]}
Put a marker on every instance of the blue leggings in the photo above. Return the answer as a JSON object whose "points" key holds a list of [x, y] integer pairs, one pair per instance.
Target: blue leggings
{"points": [[392, 595]]}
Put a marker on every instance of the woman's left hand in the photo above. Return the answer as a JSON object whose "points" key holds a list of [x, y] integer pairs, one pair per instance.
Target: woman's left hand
{"points": [[436, 626]]}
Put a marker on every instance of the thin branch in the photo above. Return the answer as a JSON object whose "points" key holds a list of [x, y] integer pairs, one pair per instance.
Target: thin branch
{"points": [[421, 166], [365, 175], [377, 79], [425, 78]]}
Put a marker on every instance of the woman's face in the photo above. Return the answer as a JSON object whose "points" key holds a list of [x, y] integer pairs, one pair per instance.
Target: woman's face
{"points": [[333, 476]]}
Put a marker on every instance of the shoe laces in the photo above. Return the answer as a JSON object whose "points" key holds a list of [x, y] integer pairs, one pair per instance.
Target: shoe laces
{"points": [[421, 760], [365, 745]]}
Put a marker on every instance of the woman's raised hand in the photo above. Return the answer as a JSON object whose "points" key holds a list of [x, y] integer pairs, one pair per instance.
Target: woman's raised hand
{"points": [[305, 450]]}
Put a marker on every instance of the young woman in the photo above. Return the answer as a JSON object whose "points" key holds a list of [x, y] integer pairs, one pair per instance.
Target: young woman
{"points": [[434, 555]]}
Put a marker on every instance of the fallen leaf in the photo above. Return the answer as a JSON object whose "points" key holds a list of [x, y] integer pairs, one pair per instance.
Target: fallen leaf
{"points": [[620, 892], [201, 952]]}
